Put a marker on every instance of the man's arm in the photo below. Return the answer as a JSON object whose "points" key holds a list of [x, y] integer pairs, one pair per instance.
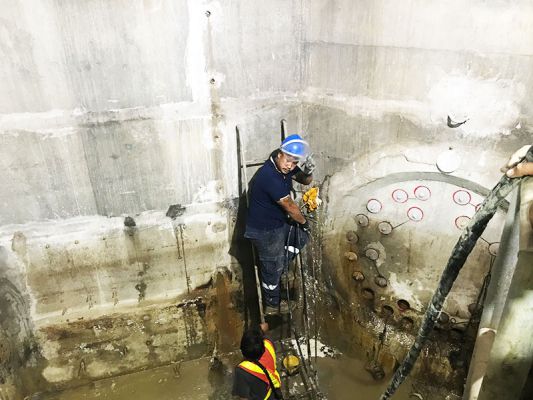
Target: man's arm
{"points": [[302, 178], [292, 209], [305, 175], [515, 168]]}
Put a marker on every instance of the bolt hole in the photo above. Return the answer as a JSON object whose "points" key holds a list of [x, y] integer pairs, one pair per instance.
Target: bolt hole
{"points": [[403, 305], [406, 323], [456, 333], [367, 293], [387, 311], [212, 81], [208, 13], [443, 318]]}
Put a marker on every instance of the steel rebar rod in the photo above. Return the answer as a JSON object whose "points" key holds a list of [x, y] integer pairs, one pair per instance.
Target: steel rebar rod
{"points": [[462, 249]]}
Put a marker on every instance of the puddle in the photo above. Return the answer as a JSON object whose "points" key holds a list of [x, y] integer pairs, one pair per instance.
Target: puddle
{"points": [[191, 380], [340, 378], [345, 378]]}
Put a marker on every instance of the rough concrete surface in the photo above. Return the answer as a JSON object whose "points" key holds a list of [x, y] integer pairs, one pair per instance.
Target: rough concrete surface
{"points": [[116, 109]]}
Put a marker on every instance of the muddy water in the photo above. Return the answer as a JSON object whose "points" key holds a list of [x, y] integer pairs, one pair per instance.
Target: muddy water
{"points": [[227, 328], [191, 380], [342, 378], [346, 379]]}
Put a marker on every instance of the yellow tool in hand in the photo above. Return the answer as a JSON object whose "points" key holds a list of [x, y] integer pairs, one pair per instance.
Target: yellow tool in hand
{"points": [[311, 199]]}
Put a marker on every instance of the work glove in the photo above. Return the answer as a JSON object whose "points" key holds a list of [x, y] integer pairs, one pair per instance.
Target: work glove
{"points": [[311, 200], [308, 165]]}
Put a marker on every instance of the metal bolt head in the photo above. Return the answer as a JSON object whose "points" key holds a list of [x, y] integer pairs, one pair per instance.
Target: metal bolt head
{"points": [[372, 254], [352, 237], [350, 255], [381, 281], [358, 276]]}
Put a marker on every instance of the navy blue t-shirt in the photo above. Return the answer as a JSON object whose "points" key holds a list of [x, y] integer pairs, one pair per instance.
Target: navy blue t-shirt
{"points": [[268, 187]]}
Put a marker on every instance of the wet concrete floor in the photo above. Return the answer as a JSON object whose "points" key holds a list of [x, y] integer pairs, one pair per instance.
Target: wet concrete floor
{"points": [[189, 380], [340, 378]]}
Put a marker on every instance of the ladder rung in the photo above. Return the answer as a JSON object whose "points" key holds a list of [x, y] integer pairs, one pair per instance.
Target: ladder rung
{"points": [[254, 163]]}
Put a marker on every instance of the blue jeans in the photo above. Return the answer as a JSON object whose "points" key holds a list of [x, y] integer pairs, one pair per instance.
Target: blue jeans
{"points": [[275, 248]]}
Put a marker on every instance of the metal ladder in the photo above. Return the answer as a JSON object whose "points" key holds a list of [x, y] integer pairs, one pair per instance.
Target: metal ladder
{"points": [[307, 371]]}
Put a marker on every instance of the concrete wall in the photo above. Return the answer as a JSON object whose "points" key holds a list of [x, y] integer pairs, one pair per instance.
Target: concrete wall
{"points": [[383, 73], [379, 81], [408, 256], [122, 109], [131, 107]]}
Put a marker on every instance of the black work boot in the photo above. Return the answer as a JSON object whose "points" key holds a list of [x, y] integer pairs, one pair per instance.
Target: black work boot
{"points": [[282, 308]]}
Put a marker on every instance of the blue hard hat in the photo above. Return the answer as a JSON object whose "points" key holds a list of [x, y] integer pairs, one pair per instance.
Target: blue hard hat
{"points": [[295, 146]]}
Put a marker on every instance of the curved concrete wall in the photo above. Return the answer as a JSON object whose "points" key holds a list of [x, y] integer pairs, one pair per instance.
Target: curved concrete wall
{"points": [[379, 81]]}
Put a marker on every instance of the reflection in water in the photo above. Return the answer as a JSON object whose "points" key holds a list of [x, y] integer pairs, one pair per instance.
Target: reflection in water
{"points": [[346, 379], [340, 378], [195, 381]]}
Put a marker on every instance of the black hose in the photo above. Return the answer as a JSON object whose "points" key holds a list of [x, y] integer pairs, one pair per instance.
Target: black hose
{"points": [[304, 295], [460, 252], [289, 321]]}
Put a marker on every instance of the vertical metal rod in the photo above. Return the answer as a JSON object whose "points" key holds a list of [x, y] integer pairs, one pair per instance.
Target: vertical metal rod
{"points": [[287, 378], [305, 315], [315, 318], [286, 262], [462, 249], [306, 379], [283, 129], [187, 277], [305, 305], [242, 169]]}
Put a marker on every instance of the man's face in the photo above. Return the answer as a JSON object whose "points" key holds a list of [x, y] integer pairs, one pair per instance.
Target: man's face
{"points": [[285, 162]]}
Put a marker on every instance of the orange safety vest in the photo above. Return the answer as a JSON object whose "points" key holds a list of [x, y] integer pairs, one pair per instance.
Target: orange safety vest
{"points": [[267, 360]]}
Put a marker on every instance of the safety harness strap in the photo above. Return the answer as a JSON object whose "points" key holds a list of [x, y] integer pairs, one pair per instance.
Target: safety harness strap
{"points": [[268, 361]]}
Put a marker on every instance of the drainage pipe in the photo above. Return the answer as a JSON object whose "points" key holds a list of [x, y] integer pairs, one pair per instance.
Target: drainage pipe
{"points": [[460, 252], [502, 272]]}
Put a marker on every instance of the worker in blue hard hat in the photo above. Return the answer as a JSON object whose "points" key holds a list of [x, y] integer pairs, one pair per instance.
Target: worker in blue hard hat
{"points": [[275, 224]]}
